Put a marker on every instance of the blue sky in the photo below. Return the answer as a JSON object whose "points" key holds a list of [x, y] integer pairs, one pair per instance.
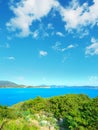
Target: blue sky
{"points": [[49, 42]]}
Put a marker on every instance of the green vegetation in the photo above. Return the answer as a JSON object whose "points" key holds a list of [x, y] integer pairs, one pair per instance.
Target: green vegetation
{"points": [[68, 112]]}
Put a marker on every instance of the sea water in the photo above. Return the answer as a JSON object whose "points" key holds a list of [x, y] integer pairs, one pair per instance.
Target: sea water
{"points": [[10, 96]]}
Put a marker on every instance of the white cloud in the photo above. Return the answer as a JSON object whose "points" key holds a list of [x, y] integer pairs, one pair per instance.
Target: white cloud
{"points": [[21, 78], [93, 80], [93, 48], [77, 16], [35, 34], [93, 40], [70, 46], [40, 32], [60, 34], [43, 53], [50, 26], [58, 47], [26, 12], [10, 58], [85, 32], [64, 58], [45, 34]]}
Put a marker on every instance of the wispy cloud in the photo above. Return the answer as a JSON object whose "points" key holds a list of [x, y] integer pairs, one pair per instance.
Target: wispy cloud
{"points": [[35, 34], [10, 58], [85, 32], [21, 78], [70, 46], [58, 47], [7, 45], [50, 26], [93, 80], [93, 48], [60, 34], [65, 57], [40, 32], [43, 53]]}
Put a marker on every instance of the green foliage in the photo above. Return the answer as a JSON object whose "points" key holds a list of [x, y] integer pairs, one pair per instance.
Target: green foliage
{"points": [[36, 105], [19, 124], [70, 112]]}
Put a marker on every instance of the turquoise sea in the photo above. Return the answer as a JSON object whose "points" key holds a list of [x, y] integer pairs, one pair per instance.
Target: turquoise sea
{"points": [[10, 96]]}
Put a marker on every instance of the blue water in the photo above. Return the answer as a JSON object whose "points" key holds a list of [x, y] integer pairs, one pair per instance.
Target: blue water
{"points": [[10, 96]]}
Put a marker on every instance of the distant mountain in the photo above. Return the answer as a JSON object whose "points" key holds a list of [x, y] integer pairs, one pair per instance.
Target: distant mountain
{"points": [[7, 84], [65, 86]]}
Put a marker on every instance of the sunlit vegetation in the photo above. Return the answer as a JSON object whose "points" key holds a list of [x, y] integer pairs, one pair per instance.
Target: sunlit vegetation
{"points": [[68, 112]]}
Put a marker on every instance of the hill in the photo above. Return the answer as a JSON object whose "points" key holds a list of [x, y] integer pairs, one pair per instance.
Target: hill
{"points": [[67, 112], [7, 84]]}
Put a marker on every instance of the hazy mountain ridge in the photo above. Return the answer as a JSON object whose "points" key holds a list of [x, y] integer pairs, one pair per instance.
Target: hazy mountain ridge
{"points": [[5, 84], [9, 84]]}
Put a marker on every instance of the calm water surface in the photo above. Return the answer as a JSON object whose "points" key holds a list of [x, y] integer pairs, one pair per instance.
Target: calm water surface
{"points": [[10, 96]]}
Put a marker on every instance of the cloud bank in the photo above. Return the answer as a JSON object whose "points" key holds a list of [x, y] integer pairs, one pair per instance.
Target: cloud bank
{"points": [[28, 11], [75, 16]]}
